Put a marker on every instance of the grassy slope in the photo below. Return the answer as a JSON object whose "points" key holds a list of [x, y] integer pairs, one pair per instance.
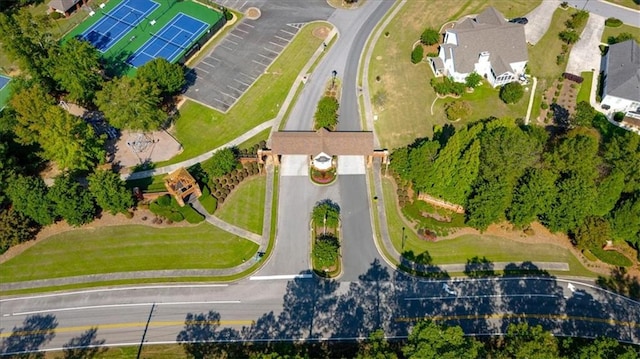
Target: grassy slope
{"points": [[406, 113], [458, 250], [245, 206], [128, 248], [200, 129]]}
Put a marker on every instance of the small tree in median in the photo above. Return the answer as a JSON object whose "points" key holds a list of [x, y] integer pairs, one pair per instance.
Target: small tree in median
{"points": [[511, 92], [327, 113], [325, 250], [327, 214]]}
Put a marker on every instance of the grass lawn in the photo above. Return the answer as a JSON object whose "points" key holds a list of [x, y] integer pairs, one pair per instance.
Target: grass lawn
{"points": [[405, 114], [200, 129], [245, 205], [585, 87], [615, 31], [542, 56], [262, 136], [128, 248], [149, 184], [633, 4], [485, 102], [458, 250]]}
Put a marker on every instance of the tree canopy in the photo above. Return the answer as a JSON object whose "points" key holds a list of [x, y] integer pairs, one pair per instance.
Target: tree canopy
{"points": [[167, 76], [109, 191], [71, 201], [429, 340], [131, 103], [29, 197], [77, 70], [327, 113], [221, 163]]}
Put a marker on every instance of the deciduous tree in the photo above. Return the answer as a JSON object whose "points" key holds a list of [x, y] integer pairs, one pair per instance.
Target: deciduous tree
{"points": [[76, 68], [131, 103], [221, 163], [511, 92], [71, 201], [29, 197], [327, 113], [109, 191], [524, 341], [167, 76], [533, 196], [430, 36], [429, 340], [376, 347], [15, 228]]}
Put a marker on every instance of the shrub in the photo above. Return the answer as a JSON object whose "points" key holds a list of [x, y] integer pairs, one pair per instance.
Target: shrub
{"points": [[560, 59], [327, 113], [164, 200], [564, 4], [578, 19], [325, 251], [473, 80], [447, 86], [457, 109], [544, 106], [56, 15], [432, 54], [430, 36], [190, 214], [618, 116], [624, 36], [613, 22], [569, 36], [511, 92], [417, 54]]}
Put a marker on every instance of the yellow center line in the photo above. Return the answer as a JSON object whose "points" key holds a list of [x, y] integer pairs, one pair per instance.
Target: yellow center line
{"points": [[522, 316], [123, 326]]}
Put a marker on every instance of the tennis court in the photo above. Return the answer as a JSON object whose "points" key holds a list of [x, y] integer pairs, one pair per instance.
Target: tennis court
{"points": [[4, 81], [115, 24], [171, 41], [4, 90]]}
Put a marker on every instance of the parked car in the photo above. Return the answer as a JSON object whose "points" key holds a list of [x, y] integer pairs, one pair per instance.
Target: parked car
{"points": [[520, 20]]}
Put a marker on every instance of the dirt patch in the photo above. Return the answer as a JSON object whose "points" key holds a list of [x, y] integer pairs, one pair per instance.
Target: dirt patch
{"points": [[105, 220], [253, 13], [321, 32]]}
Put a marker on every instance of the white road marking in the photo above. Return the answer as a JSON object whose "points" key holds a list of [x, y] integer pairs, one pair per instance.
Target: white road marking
{"points": [[266, 57], [203, 70], [258, 62], [275, 52], [290, 33], [281, 276], [114, 290], [246, 84], [239, 29], [282, 38], [275, 43], [485, 296], [227, 47], [89, 307], [238, 36], [231, 41]]}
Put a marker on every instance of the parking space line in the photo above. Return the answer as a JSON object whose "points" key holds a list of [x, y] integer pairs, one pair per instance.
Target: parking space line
{"points": [[222, 102], [273, 43], [244, 83], [282, 38], [226, 94], [215, 59], [238, 36], [227, 47], [231, 41], [266, 57], [258, 62], [235, 89], [243, 5], [206, 63], [239, 29], [244, 23], [201, 69], [290, 33], [275, 52]]}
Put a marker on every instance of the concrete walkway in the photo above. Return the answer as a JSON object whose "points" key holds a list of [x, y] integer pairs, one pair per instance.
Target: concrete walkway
{"points": [[240, 232], [539, 20], [531, 98]]}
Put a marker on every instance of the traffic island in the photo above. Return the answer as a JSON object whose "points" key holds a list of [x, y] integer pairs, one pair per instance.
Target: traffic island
{"points": [[326, 258]]}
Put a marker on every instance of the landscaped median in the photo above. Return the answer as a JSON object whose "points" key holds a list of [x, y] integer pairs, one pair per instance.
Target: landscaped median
{"points": [[326, 256]]}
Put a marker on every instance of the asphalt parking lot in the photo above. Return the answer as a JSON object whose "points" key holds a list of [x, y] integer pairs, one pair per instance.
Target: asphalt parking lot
{"points": [[221, 78]]}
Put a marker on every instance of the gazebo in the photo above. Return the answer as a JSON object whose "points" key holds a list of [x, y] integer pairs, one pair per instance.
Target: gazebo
{"points": [[181, 184]]}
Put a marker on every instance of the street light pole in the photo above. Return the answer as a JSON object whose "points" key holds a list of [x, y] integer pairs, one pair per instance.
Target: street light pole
{"points": [[402, 238]]}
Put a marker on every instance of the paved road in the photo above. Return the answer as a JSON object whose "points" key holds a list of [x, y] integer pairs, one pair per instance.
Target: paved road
{"points": [[307, 308], [605, 9]]}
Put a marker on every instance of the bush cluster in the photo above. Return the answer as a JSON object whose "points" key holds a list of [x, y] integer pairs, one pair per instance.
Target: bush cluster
{"points": [[511, 92], [417, 54], [221, 187], [457, 110], [447, 86], [613, 22]]}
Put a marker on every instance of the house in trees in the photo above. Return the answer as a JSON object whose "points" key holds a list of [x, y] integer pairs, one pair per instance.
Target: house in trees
{"points": [[181, 185], [621, 90], [65, 7], [487, 44]]}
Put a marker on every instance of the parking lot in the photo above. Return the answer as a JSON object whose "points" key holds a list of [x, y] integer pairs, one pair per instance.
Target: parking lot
{"points": [[221, 78]]}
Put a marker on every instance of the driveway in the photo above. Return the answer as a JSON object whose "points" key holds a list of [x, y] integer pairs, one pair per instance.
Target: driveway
{"points": [[539, 20], [585, 54], [605, 9]]}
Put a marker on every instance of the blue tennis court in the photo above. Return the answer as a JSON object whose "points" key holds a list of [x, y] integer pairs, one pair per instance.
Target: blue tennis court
{"points": [[115, 24], [172, 40], [4, 81]]}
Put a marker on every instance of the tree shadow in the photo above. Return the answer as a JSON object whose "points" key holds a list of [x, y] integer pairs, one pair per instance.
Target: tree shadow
{"points": [[477, 267], [560, 115], [84, 346], [621, 282], [24, 342], [421, 265], [201, 335]]}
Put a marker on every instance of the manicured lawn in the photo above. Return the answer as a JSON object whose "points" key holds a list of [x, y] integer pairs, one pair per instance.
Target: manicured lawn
{"points": [[542, 56], [200, 129], [485, 102], [458, 250], [128, 248], [262, 136], [615, 31], [405, 114], [633, 4], [585, 87], [245, 205], [149, 184]]}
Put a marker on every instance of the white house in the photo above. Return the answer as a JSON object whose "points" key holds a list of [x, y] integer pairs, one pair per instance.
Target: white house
{"points": [[621, 91], [487, 44]]}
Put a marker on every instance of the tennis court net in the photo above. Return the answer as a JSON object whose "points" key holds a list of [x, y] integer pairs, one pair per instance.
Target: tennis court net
{"points": [[119, 19], [168, 41]]}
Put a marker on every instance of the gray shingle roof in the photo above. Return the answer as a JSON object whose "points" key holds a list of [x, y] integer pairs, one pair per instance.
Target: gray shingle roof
{"points": [[62, 5], [623, 70], [504, 41]]}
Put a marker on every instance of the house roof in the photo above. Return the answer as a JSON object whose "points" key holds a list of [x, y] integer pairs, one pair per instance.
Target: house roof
{"points": [[489, 32], [62, 5], [623, 70], [315, 142]]}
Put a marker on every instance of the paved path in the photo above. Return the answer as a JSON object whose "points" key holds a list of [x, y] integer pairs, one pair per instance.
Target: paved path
{"points": [[531, 96], [240, 232], [585, 54], [539, 20]]}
